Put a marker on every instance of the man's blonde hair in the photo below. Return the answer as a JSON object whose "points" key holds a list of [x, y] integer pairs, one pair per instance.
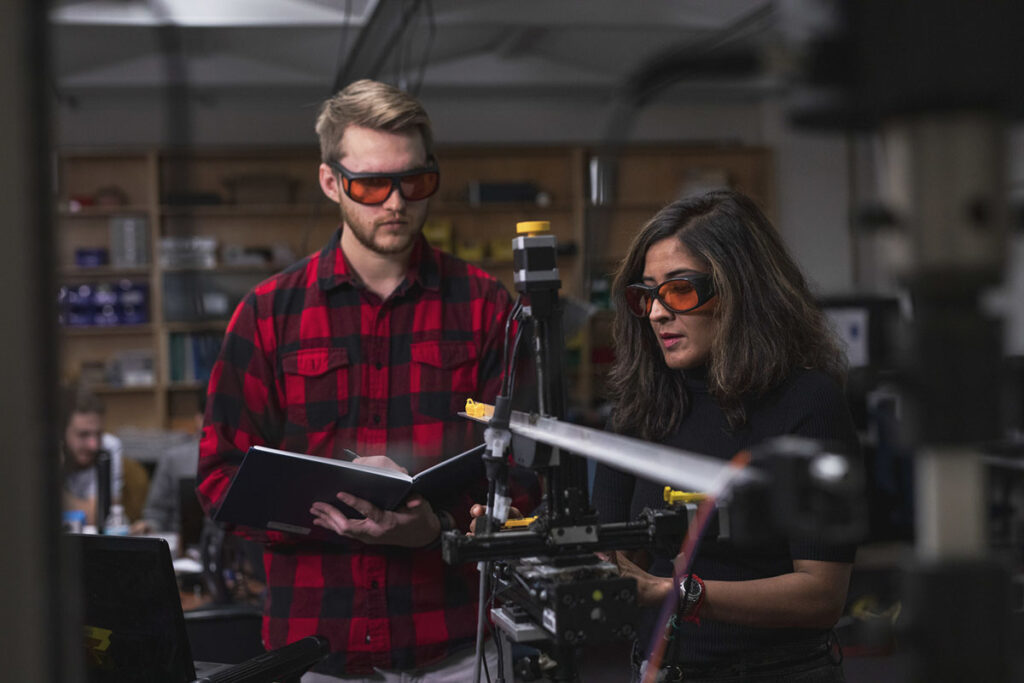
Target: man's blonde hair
{"points": [[373, 105]]}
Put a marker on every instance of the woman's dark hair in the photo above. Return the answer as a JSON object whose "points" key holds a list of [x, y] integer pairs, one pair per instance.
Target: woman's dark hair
{"points": [[768, 321]]}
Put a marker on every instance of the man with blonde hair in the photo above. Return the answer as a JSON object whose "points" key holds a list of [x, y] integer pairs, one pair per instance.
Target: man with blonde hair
{"points": [[372, 344]]}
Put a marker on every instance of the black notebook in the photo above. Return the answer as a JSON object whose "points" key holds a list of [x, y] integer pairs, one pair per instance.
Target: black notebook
{"points": [[275, 489]]}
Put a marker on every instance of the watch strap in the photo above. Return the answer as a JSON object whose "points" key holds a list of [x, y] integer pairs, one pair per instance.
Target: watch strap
{"points": [[691, 598]]}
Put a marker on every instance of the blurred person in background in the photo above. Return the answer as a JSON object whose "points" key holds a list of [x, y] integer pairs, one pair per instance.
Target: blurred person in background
{"points": [[162, 511], [83, 439]]}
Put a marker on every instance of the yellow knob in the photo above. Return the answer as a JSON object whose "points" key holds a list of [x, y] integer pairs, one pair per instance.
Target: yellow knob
{"points": [[675, 497], [532, 227]]}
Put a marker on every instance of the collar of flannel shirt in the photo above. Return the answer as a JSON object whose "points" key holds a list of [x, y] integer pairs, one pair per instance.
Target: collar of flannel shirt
{"points": [[334, 269]]}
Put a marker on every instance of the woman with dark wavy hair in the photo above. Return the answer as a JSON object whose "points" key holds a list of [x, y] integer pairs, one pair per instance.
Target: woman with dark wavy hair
{"points": [[719, 346]]}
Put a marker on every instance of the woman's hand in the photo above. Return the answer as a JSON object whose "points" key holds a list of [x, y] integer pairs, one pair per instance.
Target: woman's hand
{"points": [[478, 510], [650, 590]]}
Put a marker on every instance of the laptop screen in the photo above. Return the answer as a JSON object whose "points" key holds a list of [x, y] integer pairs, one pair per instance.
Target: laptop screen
{"points": [[133, 622]]}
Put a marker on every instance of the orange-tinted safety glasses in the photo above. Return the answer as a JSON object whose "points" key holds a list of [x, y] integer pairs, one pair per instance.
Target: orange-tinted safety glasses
{"points": [[679, 294], [375, 188]]}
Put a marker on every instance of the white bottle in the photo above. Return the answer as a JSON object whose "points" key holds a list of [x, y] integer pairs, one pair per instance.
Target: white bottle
{"points": [[117, 522]]}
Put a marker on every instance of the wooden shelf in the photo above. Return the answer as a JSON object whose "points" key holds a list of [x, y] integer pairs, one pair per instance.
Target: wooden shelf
{"points": [[185, 386], [492, 263], [648, 177], [103, 211], [648, 207], [106, 330], [229, 268], [197, 326], [233, 210], [500, 207], [120, 389], [103, 273]]}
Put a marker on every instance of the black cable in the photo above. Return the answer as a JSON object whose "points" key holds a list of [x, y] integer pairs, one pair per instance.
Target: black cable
{"points": [[517, 307], [522, 582], [507, 367], [506, 382], [481, 615], [431, 31], [515, 355], [343, 43], [497, 641], [402, 53]]}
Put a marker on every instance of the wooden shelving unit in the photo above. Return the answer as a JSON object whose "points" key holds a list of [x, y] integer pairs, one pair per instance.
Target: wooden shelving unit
{"points": [[174, 192]]}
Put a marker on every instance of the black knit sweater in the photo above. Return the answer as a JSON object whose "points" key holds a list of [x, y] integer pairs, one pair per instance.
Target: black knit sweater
{"points": [[808, 404]]}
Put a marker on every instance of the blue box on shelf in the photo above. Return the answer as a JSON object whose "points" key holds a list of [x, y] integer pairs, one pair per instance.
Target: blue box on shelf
{"points": [[104, 304], [91, 257], [79, 306], [104, 299], [132, 303]]}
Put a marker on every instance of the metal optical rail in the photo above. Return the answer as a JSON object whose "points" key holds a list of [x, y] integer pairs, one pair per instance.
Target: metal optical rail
{"points": [[677, 468]]}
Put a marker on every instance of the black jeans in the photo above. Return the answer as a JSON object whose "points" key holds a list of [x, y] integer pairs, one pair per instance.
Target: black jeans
{"points": [[817, 661]]}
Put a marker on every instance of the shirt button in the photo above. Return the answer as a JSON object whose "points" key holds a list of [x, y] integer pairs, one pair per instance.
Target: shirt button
{"points": [[367, 637], [374, 584], [376, 419], [378, 365]]}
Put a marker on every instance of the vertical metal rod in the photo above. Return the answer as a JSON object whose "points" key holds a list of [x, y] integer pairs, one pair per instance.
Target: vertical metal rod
{"points": [[947, 172]]}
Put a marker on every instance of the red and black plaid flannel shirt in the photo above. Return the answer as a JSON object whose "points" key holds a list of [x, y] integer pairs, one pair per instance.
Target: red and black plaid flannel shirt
{"points": [[313, 362]]}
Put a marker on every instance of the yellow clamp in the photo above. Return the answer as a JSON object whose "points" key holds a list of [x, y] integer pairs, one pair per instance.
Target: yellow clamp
{"points": [[482, 410], [519, 523], [682, 497]]}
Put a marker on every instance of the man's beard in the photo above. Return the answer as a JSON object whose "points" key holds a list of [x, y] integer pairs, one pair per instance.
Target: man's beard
{"points": [[71, 463], [365, 235]]}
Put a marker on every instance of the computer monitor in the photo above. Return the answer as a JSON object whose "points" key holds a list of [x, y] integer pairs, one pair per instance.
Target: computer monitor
{"points": [[867, 327], [134, 626], [133, 621]]}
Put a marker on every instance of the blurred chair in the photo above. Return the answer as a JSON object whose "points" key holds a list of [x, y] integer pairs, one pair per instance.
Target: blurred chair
{"points": [[229, 634], [229, 629], [136, 488]]}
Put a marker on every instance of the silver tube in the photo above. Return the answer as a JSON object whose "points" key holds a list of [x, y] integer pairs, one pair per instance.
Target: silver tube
{"points": [[655, 462]]}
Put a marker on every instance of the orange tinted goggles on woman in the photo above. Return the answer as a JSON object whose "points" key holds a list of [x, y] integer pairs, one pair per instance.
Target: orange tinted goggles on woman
{"points": [[679, 294], [375, 188]]}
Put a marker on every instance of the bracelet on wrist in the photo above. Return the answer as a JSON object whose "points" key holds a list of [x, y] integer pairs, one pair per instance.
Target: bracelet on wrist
{"points": [[691, 598], [445, 518], [445, 523]]}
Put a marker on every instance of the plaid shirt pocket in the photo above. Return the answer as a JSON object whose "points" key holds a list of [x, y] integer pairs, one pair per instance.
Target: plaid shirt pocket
{"points": [[316, 386], [445, 374]]}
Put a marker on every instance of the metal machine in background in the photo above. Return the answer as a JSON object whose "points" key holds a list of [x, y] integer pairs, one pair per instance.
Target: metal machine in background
{"points": [[939, 85], [556, 594]]}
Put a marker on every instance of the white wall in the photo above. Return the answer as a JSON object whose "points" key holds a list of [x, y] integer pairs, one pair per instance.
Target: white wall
{"points": [[813, 198]]}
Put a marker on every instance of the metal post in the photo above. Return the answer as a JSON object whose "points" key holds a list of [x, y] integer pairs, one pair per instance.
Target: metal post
{"points": [[39, 642], [949, 192]]}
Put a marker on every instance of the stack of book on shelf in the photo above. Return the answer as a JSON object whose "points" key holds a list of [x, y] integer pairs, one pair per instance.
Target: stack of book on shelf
{"points": [[192, 355]]}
